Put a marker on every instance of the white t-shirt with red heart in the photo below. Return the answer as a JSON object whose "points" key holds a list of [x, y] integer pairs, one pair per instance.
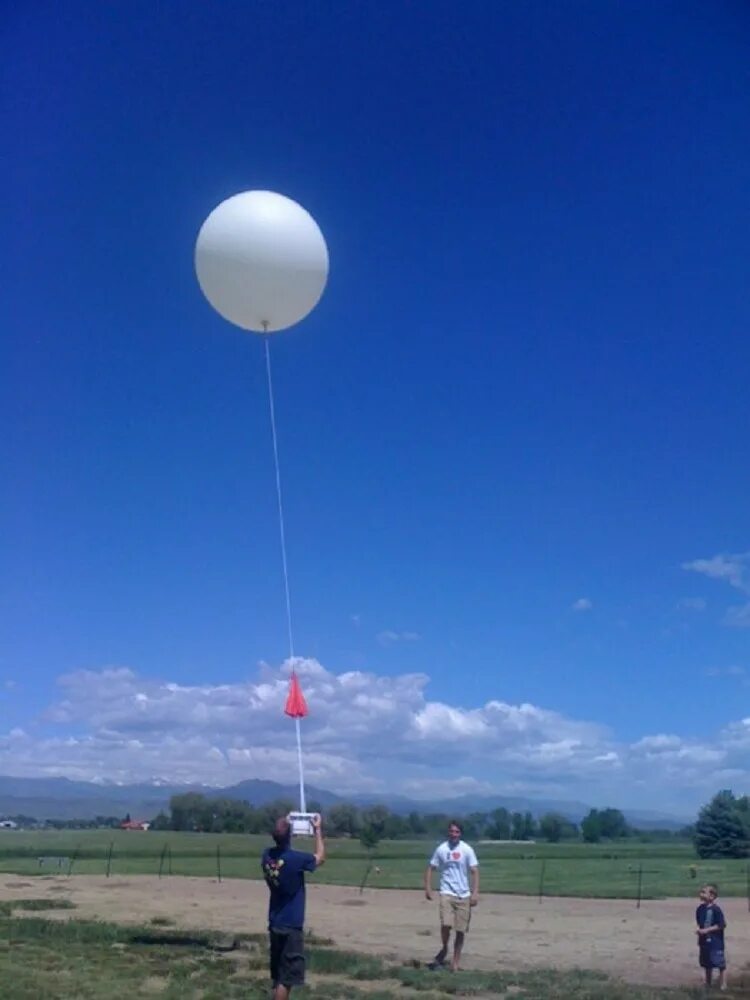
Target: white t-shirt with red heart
{"points": [[454, 863]]}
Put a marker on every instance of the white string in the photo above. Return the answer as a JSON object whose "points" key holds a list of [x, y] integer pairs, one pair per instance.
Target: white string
{"points": [[278, 497], [282, 536]]}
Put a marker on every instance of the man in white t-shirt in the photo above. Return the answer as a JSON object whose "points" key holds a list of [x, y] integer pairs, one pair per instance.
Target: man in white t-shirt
{"points": [[459, 891]]}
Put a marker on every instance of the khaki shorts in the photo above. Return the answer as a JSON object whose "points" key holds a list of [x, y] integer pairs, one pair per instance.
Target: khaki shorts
{"points": [[455, 912]]}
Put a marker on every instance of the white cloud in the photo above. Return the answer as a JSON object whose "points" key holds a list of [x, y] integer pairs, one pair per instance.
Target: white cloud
{"points": [[582, 604], [738, 616], [365, 732], [660, 743], [388, 637], [692, 604], [444, 724], [678, 758], [733, 569], [731, 671]]}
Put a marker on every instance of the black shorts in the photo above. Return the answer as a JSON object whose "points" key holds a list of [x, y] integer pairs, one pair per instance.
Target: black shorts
{"points": [[287, 956]]}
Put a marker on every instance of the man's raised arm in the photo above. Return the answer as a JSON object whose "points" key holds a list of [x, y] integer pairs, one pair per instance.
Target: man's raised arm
{"points": [[320, 847]]}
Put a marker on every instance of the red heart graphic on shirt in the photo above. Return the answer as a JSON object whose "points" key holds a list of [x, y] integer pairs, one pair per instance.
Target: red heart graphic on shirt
{"points": [[456, 855]]}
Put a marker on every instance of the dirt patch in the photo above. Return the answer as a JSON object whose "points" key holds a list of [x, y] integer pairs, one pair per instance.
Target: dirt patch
{"points": [[155, 985], [653, 945], [395, 986]]}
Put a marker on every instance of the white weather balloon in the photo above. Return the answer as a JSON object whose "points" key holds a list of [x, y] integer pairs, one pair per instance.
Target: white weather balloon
{"points": [[261, 261]]}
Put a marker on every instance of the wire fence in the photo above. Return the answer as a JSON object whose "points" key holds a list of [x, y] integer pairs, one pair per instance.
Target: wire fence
{"points": [[639, 879]]}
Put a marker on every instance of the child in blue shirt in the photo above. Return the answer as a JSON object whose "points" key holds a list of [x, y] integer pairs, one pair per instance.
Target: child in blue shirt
{"points": [[710, 933]]}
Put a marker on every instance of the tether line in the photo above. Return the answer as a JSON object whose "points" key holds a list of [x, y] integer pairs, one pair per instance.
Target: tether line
{"points": [[282, 534], [284, 565]]}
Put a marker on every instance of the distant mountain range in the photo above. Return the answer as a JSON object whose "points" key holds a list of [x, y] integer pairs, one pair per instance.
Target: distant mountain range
{"points": [[60, 798]]}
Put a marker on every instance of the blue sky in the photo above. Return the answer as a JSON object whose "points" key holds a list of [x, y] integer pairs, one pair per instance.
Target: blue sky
{"points": [[514, 433]]}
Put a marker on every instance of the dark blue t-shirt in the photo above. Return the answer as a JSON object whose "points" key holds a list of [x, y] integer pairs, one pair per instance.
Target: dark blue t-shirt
{"points": [[283, 870], [710, 915]]}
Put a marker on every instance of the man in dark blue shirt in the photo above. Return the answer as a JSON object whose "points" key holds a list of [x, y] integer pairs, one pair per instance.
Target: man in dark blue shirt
{"points": [[284, 871]]}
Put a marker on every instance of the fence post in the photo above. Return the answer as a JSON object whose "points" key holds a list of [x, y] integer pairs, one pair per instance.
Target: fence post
{"points": [[109, 857], [161, 859], [169, 856], [747, 884], [218, 862], [73, 857], [541, 879], [368, 869], [640, 885]]}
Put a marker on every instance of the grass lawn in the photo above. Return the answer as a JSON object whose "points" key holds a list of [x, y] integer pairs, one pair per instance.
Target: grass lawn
{"points": [[568, 869], [42, 958]]}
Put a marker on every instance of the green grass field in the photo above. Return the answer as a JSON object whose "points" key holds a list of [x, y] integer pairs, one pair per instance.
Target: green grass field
{"points": [[89, 960], [43, 957], [570, 869]]}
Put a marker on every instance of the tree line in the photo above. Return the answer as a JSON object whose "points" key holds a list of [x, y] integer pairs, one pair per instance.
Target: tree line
{"points": [[97, 823], [195, 812], [722, 829]]}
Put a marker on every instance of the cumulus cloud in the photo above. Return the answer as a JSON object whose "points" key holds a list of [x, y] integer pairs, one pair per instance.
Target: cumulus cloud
{"points": [[731, 569], [582, 604], [365, 733]]}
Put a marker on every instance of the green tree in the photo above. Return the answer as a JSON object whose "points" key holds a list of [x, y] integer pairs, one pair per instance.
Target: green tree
{"points": [[374, 822], [228, 816], [369, 837], [395, 827], [591, 827], [743, 811], [529, 827], [416, 824], [271, 811], [517, 826], [720, 831], [186, 810], [375, 818], [612, 824], [436, 824], [499, 824], [342, 820], [551, 827], [476, 825]]}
